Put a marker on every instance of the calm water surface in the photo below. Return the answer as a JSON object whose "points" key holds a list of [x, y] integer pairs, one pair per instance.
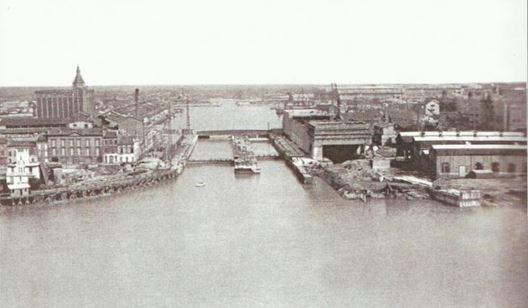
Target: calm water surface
{"points": [[260, 241]]}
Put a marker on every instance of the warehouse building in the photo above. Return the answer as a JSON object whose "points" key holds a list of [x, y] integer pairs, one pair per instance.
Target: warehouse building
{"points": [[457, 160]]}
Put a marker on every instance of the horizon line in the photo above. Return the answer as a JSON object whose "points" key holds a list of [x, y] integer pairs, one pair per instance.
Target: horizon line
{"points": [[270, 84]]}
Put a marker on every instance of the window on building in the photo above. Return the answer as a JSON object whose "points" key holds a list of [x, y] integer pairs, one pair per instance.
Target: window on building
{"points": [[96, 142], [445, 168], [511, 168], [96, 151], [71, 151], [63, 152], [495, 167], [62, 142], [78, 142], [479, 166], [78, 151], [71, 142], [53, 142], [87, 151], [53, 152]]}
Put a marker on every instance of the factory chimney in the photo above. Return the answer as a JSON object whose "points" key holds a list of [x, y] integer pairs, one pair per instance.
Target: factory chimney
{"points": [[136, 100]]}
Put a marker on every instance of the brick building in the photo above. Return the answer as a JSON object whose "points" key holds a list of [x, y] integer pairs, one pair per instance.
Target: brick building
{"points": [[66, 103]]}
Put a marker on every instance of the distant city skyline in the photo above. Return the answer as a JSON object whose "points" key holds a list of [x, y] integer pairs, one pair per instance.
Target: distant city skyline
{"points": [[237, 42]]}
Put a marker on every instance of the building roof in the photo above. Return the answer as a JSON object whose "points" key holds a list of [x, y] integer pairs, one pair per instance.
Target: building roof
{"points": [[95, 131], [62, 91], [110, 134], [462, 133], [125, 140], [14, 143], [333, 124], [479, 146], [32, 122], [479, 149], [469, 139]]}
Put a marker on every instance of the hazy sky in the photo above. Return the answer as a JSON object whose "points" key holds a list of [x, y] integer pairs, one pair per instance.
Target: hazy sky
{"points": [[269, 41]]}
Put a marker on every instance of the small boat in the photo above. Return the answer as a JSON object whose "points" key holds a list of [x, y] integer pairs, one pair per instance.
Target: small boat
{"points": [[200, 184]]}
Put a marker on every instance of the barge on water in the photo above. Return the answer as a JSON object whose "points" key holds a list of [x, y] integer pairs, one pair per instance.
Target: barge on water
{"points": [[244, 159], [457, 197]]}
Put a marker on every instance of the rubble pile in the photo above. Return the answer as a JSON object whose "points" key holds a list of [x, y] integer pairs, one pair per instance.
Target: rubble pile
{"points": [[356, 179]]}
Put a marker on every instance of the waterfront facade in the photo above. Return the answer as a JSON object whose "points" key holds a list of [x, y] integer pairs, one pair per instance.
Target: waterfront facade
{"points": [[412, 145], [22, 168], [75, 146], [457, 160], [66, 103], [126, 150]]}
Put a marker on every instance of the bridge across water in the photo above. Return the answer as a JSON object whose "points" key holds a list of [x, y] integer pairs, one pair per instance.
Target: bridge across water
{"points": [[238, 132], [229, 161]]}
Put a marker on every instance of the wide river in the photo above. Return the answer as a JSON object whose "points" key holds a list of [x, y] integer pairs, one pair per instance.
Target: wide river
{"points": [[259, 241]]}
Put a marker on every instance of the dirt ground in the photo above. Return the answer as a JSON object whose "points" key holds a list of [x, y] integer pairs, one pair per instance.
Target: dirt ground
{"points": [[495, 192]]}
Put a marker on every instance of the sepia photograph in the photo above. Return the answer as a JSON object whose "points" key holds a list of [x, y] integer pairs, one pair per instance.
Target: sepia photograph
{"points": [[246, 153]]}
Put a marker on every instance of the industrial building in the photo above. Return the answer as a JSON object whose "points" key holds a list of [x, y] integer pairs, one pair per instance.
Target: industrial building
{"points": [[337, 140], [455, 154], [412, 145], [66, 103], [457, 160]]}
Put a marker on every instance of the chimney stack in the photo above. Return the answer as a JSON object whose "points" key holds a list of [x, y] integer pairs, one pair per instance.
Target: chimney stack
{"points": [[136, 99]]}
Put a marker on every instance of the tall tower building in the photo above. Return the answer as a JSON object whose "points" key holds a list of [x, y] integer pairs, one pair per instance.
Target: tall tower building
{"points": [[66, 104]]}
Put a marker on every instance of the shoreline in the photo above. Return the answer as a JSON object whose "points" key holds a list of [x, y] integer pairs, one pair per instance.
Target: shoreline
{"points": [[85, 191]]}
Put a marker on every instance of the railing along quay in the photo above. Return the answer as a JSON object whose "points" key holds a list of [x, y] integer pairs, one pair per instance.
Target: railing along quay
{"points": [[89, 190]]}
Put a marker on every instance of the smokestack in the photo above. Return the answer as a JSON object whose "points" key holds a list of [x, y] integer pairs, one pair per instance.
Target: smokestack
{"points": [[136, 99]]}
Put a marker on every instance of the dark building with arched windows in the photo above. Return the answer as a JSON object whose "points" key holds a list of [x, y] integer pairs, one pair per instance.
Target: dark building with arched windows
{"points": [[457, 160]]}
